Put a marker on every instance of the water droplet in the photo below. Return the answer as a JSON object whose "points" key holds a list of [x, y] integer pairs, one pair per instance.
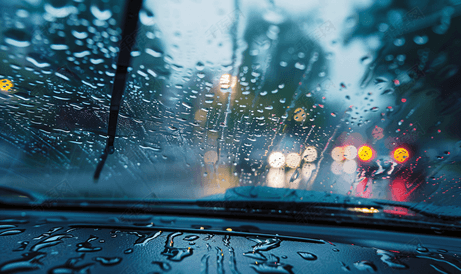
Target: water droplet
{"points": [[96, 61], [345, 267], [108, 261], [128, 251], [146, 16], [200, 66], [82, 54], [36, 61], [30, 261], [22, 246], [17, 38], [273, 266], [175, 253], [187, 105], [60, 10], [101, 14], [365, 266], [264, 245], [163, 265], [388, 91], [154, 53], [274, 16], [366, 60], [399, 42], [191, 238], [50, 241], [144, 238], [87, 246], [209, 237], [300, 66], [70, 266], [389, 259], [204, 264], [59, 47], [7, 226], [307, 256], [232, 261], [219, 260], [420, 40], [11, 232], [255, 255], [80, 35]]}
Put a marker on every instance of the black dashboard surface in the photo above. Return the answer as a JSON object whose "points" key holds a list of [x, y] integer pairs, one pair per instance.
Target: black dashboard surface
{"points": [[60, 242]]}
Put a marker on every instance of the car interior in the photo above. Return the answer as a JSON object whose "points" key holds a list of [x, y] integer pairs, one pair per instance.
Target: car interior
{"points": [[230, 136]]}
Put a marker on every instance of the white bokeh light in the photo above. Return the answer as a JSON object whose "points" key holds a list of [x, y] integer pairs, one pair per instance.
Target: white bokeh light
{"points": [[310, 154], [337, 167], [293, 160], [276, 177], [276, 159], [307, 170], [337, 154], [350, 152], [349, 166]]}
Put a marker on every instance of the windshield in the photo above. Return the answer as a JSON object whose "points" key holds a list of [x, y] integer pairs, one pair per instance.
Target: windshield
{"points": [[356, 98]]}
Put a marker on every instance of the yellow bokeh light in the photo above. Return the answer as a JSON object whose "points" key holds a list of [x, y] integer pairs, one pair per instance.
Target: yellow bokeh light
{"points": [[200, 115], [211, 157], [225, 81], [299, 115], [233, 81], [365, 153], [364, 209], [6, 85], [401, 155]]}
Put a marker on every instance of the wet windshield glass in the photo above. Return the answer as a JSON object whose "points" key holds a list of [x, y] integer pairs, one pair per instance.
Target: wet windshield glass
{"points": [[358, 98]]}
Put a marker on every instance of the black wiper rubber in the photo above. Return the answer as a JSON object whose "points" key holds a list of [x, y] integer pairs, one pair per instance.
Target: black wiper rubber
{"points": [[32, 196], [129, 30]]}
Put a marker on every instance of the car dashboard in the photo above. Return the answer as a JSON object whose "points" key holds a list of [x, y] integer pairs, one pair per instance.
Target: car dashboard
{"points": [[95, 242]]}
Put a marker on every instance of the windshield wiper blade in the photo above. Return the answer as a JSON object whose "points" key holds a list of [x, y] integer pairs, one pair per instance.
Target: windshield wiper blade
{"points": [[129, 30], [268, 198], [9, 191]]}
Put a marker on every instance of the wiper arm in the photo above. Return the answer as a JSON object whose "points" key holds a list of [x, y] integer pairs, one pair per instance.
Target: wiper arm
{"points": [[123, 62], [267, 198], [12, 191]]}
